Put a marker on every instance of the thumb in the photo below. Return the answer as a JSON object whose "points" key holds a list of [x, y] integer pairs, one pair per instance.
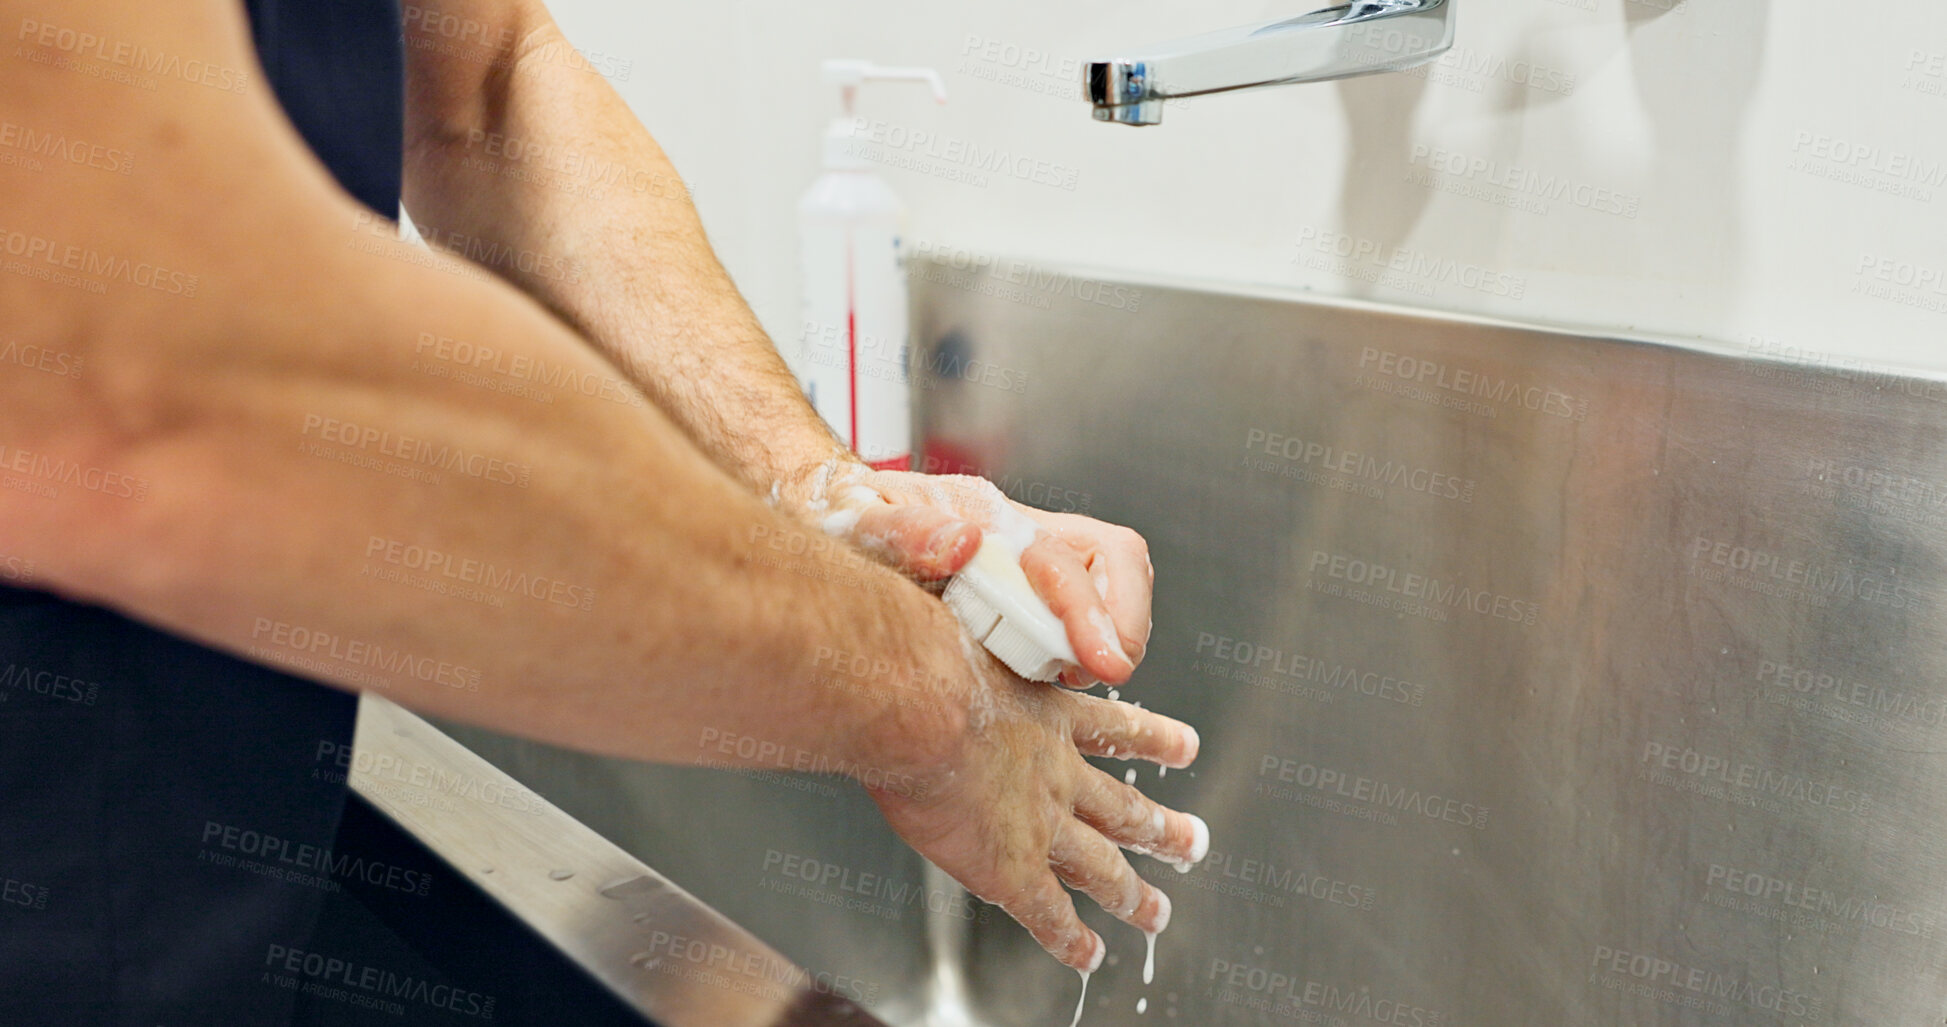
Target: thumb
{"points": [[923, 541]]}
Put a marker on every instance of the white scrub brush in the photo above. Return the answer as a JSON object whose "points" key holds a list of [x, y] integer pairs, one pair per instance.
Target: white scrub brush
{"points": [[993, 599]]}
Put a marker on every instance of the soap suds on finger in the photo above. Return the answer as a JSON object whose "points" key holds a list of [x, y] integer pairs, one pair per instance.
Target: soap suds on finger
{"points": [[1112, 642], [1200, 846], [841, 522], [817, 497]]}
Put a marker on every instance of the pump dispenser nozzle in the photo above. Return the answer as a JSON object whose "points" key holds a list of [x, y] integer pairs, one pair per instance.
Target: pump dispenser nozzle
{"points": [[848, 76]]}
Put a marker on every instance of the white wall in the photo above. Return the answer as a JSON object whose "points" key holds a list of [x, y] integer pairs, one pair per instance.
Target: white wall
{"points": [[1730, 133]]}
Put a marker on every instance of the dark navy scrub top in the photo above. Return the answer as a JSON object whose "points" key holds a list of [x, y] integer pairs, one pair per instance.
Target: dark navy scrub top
{"points": [[150, 786]]}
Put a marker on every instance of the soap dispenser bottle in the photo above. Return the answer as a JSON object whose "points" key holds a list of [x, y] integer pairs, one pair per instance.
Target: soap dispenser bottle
{"points": [[852, 351]]}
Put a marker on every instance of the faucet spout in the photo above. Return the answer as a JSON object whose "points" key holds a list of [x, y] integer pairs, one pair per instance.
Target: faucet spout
{"points": [[1362, 37]]}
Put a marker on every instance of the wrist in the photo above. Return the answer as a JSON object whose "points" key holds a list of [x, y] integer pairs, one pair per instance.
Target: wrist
{"points": [[808, 479], [919, 715]]}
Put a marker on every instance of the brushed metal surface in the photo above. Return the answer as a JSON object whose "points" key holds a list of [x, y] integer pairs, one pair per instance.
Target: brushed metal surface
{"points": [[1543, 679], [1639, 719], [671, 957]]}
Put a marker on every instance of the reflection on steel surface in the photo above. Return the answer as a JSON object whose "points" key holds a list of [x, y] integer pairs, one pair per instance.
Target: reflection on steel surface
{"points": [[676, 960]]}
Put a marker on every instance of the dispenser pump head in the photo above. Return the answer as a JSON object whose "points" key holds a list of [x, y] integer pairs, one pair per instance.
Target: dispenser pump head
{"points": [[841, 150]]}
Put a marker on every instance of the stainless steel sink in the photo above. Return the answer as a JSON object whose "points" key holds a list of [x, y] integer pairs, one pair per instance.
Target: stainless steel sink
{"points": [[1543, 678]]}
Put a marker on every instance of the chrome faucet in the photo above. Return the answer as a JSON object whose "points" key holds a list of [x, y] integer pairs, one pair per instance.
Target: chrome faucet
{"points": [[1357, 38]]}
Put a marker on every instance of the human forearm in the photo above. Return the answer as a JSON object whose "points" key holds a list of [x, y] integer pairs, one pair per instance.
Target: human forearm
{"points": [[354, 491], [297, 451], [542, 155]]}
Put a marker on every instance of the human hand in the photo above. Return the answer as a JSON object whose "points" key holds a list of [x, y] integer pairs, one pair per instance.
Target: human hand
{"points": [[1095, 576], [1010, 809]]}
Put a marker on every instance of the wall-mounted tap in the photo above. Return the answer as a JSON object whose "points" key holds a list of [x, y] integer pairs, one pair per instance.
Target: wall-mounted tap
{"points": [[1357, 38]]}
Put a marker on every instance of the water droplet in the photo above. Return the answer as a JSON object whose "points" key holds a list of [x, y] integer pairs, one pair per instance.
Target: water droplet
{"points": [[1130, 777], [560, 875], [630, 887], [642, 918], [1142, 1005]]}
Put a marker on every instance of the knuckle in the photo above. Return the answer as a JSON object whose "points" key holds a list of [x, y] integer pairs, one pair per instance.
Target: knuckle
{"points": [[1045, 894], [1057, 548], [1131, 812], [1150, 824]]}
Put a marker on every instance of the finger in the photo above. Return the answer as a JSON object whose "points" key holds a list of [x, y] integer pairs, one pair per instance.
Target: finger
{"points": [[1122, 575], [1120, 731], [923, 541], [1062, 580], [1079, 679], [1092, 865], [1045, 909], [1132, 820], [1120, 570]]}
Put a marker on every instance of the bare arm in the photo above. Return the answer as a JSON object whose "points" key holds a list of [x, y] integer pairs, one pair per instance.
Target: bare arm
{"points": [[256, 448], [282, 426], [514, 141]]}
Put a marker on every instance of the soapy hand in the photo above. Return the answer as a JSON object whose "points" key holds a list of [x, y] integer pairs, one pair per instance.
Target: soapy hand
{"points": [[1095, 576], [1013, 811]]}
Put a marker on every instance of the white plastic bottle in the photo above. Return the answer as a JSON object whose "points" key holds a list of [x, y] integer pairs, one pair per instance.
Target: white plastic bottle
{"points": [[852, 350]]}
